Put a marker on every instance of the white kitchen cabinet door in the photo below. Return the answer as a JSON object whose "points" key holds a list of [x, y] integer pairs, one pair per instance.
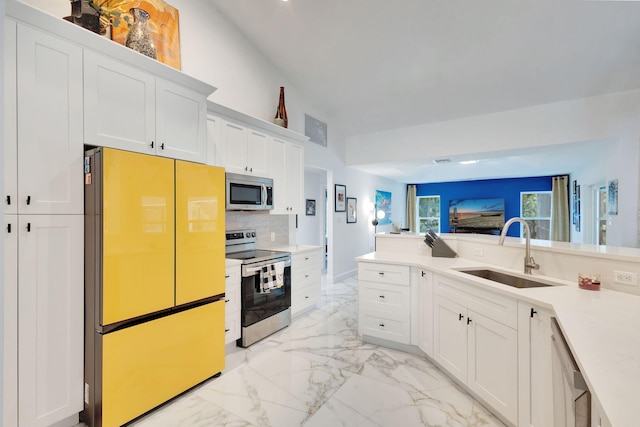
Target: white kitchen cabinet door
{"points": [[258, 154], [425, 312], [10, 321], [493, 364], [10, 144], [450, 337], [181, 122], [215, 156], [233, 303], [288, 177], [119, 105], [50, 318], [535, 393], [49, 124], [294, 156], [234, 141]]}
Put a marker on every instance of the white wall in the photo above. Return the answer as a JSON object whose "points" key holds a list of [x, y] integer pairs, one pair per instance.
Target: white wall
{"points": [[311, 227]]}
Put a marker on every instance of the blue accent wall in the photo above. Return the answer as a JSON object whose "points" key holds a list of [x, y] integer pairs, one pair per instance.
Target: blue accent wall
{"points": [[507, 189]]}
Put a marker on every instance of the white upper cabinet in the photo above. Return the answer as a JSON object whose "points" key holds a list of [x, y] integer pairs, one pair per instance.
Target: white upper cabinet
{"points": [[120, 105], [288, 176], [48, 120], [245, 150], [10, 146], [181, 122], [131, 109]]}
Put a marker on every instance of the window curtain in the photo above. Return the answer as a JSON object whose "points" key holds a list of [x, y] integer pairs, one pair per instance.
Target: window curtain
{"points": [[560, 209], [411, 208]]}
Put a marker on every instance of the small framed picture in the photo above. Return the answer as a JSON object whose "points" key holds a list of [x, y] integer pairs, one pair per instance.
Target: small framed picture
{"points": [[311, 207], [341, 198], [352, 210]]}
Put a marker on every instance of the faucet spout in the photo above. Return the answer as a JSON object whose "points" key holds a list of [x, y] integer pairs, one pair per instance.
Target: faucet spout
{"points": [[529, 262]]}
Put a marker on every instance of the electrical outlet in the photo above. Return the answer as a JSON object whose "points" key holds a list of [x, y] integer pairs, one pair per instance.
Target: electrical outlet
{"points": [[625, 277], [478, 252], [273, 236]]}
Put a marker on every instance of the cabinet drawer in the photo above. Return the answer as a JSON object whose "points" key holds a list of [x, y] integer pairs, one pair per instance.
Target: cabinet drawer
{"points": [[385, 298], [232, 274], [493, 305], [232, 299], [381, 326], [304, 297], [231, 327], [305, 277], [384, 273], [307, 259]]}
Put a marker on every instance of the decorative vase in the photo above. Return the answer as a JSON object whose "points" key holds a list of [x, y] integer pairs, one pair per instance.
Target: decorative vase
{"points": [[139, 38], [281, 113]]}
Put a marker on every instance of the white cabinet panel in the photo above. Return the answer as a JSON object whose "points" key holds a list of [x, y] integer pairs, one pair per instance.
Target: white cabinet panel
{"points": [[50, 318], [288, 176], [130, 109], [49, 118], [181, 118], [10, 321], [306, 271], [425, 312], [233, 303], [120, 105], [214, 129], [10, 162], [493, 364], [535, 393], [450, 337], [258, 153]]}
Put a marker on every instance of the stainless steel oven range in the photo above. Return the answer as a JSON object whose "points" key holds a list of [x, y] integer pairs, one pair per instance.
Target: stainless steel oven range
{"points": [[266, 286]]}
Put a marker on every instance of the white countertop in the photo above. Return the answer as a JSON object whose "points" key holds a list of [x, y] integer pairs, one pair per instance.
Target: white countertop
{"points": [[601, 327], [297, 248]]}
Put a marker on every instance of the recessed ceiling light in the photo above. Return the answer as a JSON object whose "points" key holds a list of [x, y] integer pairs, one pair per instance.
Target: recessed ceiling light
{"points": [[468, 162]]}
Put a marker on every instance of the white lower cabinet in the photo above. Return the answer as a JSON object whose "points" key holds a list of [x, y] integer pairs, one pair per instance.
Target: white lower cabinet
{"points": [[306, 270], [384, 302], [50, 317], [425, 311], [475, 347], [535, 393], [233, 303]]}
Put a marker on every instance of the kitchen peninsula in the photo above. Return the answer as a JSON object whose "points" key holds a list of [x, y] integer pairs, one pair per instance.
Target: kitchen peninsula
{"points": [[599, 326]]}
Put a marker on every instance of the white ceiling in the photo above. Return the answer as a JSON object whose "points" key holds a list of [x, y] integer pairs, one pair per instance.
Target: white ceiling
{"points": [[378, 65]]}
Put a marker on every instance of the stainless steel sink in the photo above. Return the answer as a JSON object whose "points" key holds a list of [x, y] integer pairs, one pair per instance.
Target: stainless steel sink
{"points": [[505, 279]]}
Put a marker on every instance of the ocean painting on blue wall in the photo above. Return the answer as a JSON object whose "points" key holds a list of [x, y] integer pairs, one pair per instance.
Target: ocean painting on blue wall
{"points": [[383, 203], [476, 213]]}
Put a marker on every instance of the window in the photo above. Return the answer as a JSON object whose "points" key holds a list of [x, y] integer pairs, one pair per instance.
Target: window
{"points": [[428, 215], [535, 208]]}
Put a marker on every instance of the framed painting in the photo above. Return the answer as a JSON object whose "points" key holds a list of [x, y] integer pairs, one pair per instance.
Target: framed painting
{"points": [[163, 25], [612, 197], [340, 198], [352, 210], [383, 203], [311, 207]]}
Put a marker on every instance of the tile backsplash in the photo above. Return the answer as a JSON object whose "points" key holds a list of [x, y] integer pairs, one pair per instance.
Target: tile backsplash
{"points": [[264, 223]]}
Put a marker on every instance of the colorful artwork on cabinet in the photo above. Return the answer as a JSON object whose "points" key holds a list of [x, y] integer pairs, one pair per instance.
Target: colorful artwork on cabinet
{"points": [[163, 25], [383, 203]]}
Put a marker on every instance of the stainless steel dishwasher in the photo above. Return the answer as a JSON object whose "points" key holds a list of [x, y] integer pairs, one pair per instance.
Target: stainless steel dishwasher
{"points": [[571, 396]]}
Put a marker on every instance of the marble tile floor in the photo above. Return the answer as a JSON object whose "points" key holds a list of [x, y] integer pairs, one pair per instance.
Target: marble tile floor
{"points": [[318, 373]]}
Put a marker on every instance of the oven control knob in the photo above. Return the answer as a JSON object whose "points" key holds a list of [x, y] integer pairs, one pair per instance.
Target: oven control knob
{"points": [[253, 234], [247, 234]]}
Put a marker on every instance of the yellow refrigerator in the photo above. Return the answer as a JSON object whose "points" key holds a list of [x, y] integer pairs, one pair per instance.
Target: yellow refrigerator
{"points": [[154, 281]]}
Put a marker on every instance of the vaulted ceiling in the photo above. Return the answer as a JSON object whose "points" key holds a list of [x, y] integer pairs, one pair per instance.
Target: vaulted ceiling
{"points": [[380, 65]]}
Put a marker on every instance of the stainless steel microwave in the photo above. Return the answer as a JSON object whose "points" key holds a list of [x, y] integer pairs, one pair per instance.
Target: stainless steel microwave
{"points": [[248, 193]]}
